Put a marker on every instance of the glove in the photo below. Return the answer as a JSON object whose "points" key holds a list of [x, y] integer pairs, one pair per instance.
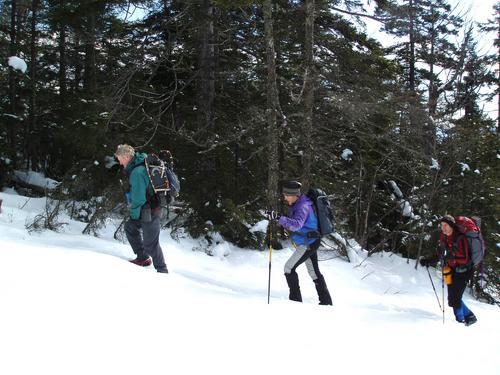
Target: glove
{"points": [[272, 215], [425, 262], [276, 245]]}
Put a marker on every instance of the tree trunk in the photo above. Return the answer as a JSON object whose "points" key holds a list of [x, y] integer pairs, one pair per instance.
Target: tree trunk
{"points": [[77, 64], [89, 78], [430, 131], [63, 85], [206, 91], [359, 202], [309, 84], [412, 49], [30, 144], [169, 35], [12, 81], [272, 107]]}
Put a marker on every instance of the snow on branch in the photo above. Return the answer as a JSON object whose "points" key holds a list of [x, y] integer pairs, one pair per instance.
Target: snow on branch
{"points": [[18, 64], [35, 180]]}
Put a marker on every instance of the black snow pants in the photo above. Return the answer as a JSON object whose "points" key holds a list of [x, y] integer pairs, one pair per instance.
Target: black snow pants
{"points": [[457, 288]]}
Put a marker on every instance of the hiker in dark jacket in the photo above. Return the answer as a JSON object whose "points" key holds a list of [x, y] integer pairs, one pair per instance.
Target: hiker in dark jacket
{"points": [[144, 211], [454, 252], [303, 224]]}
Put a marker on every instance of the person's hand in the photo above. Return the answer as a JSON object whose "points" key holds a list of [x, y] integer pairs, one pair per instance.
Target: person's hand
{"points": [[272, 215], [276, 245], [424, 262]]}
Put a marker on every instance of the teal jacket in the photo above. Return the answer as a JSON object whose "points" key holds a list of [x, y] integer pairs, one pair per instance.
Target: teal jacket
{"points": [[140, 186]]}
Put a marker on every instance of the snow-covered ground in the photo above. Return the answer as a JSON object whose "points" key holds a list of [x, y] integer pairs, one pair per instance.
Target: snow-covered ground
{"points": [[72, 304]]}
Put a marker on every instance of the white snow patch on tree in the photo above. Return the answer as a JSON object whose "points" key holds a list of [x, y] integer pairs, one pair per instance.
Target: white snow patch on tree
{"points": [[221, 250], [406, 208], [404, 205], [18, 64], [396, 190], [354, 251], [12, 116], [6, 160], [435, 164], [465, 167], [346, 154], [261, 226], [35, 179]]}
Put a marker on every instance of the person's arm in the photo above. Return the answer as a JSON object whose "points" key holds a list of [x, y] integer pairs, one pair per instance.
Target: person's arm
{"points": [[297, 221], [138, 185], [429, 261], [432, 259]]}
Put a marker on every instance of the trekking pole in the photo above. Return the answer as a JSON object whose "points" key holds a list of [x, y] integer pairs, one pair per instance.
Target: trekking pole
{"points": [[270, 259], [443, 263], [442, 290], [433, 287]]}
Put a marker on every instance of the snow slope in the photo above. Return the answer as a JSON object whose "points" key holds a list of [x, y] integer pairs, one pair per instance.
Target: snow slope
{"points": [[72, 304]]}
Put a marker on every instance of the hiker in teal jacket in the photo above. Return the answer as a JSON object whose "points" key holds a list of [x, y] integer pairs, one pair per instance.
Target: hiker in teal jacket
{"points": [[144, 211], [139, 180]]}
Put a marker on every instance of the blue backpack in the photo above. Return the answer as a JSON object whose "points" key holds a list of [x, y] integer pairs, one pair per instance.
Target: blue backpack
{"points": [[323, 211]]}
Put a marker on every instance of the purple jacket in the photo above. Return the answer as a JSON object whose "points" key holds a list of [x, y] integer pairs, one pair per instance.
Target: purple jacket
{"points": [[301, 219]]}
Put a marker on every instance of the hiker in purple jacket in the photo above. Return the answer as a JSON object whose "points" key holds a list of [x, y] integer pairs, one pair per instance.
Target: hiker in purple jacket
{"points": [[303, 224]]}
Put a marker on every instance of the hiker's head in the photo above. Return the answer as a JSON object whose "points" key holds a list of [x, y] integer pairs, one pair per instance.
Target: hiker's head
{"points": [[291, 191], [447, 224], [124, 153]]}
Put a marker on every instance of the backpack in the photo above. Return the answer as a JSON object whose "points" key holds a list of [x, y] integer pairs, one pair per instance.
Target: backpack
{"points": [[163, 179], [471, 230], [175, 185], [323, 211]]}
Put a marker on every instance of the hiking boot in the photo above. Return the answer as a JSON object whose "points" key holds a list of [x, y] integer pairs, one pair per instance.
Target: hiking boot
{"points": [[323, 293], [293, 283], [141, 261], [470, 319]]}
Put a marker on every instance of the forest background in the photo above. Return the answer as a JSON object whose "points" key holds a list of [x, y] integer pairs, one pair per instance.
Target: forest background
{"points": [[246, 94]]}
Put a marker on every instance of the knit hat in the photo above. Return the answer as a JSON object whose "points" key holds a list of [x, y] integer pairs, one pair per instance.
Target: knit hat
{"points": [[124, 150], [448, 219], [291, 187]]}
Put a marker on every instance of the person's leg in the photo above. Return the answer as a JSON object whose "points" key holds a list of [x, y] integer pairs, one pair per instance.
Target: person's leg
{"points": [[292, 279], [299, 256], [466, 310], [469, 316], [151, 235], [319, 280], [133, 232], [455, 292]]}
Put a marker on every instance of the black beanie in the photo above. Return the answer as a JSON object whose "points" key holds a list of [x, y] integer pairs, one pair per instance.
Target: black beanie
{"points": [[448, 219], [291, 187]]}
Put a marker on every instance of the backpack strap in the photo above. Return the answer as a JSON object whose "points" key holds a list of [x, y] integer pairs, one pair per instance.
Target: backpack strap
{"points": [[445, 249], [455, 246], [151, 197], [314, 233]]}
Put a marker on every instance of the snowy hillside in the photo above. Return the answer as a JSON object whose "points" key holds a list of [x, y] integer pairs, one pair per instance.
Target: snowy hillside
{"points": [[72, 304]]}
